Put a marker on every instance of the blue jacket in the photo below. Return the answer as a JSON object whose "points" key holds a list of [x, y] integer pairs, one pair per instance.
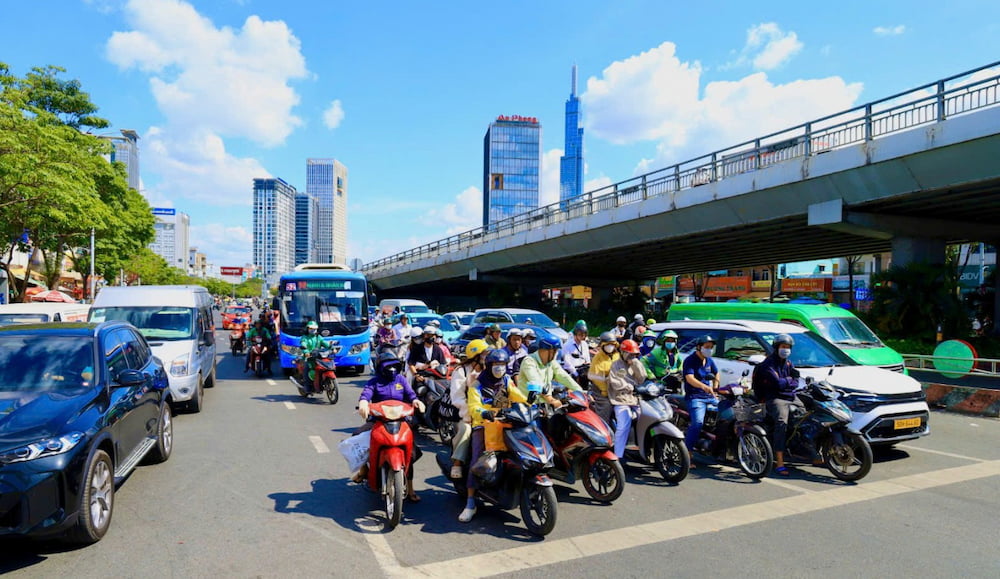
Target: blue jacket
{"points": [[397, 389], [700, 369], [775, 378]]}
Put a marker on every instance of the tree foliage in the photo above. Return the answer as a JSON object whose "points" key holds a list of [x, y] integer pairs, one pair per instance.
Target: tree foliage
{"points": [[911, 301]]}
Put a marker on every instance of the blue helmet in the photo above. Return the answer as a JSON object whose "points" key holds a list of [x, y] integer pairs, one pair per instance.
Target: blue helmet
{"points": [[497, 357], [549, 343]]}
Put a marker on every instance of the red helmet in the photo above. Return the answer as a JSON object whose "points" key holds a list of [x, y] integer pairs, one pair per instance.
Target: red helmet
{"points": [[630, 346]]}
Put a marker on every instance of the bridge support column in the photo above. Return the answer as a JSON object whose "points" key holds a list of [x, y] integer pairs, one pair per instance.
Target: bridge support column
{"points": [[600, 299], [907, 250]]}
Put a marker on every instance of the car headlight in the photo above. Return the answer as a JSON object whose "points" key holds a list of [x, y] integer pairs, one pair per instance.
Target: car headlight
{"points": [[860, 404], [42, 448], [180, 365], [358, 348]]}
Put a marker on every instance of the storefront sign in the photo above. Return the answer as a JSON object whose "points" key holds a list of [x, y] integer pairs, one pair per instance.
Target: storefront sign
{"points": [[761, 284], [807, 284], [164, 211], [518, 119], [232, 271], [842, 283], [665, 283], [727, 287], [968, 276]]}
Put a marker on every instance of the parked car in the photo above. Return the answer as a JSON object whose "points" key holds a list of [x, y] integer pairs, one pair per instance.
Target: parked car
{"points": [[520, 316], [461, 320], [233, 313], [887, 407], [478, 332], [40, 312], [81, 404]]}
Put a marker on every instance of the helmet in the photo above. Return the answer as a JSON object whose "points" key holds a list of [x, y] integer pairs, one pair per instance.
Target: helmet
{"points": [[529, 332], [580, 326], [514, 332], [662, 339], [428, 330], [640, 330], [434, 323], [416, 332], [388, 366], [782, 339], [438, 332], [704, 339], [549, 343], [650, 322], [649, 334], [312, 326], [637, 317], [621, 320], [387, 322], [493, 327], [630, 347], [607, 337], [497, 357], [475, 348]]}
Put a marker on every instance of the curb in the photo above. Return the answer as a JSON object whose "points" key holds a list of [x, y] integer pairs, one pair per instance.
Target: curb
{"points": [[978, 401]]}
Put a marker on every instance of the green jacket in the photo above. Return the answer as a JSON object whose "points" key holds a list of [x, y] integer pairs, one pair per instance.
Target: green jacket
{"points": [[264, 333], [533, 371], [310, 343], [658, 363]]}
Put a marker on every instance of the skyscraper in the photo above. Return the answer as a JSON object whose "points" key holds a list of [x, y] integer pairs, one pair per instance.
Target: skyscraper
{"points": [[126, 151], [326, 180], [511, 167], [273, 227], [571, 164], [306, 228], [172, 237]]}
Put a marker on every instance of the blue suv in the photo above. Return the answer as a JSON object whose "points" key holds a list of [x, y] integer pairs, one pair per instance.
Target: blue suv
{"points": [[80, 406]]}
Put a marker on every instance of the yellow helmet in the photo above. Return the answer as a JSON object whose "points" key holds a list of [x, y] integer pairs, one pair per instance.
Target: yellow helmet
{"points": [[475, 348]]}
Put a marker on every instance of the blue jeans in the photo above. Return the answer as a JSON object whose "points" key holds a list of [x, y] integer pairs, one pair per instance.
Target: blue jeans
{"points": [[696, 408], [623, 425]]}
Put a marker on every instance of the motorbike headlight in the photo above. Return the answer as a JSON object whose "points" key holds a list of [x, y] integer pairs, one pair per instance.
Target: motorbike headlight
{"points": [[290, 350], [358, 348], [42, 448], [181, 365], [653, 390]]}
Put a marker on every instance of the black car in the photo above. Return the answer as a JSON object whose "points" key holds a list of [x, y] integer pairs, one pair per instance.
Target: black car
{"points": [[478, 332], [80, 406]]}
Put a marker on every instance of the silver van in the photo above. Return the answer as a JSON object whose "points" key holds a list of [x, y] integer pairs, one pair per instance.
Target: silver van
{"points": [[177, 322]]}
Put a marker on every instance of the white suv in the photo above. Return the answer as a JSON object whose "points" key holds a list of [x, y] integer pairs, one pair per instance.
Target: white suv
{"points": [[888, 407]]}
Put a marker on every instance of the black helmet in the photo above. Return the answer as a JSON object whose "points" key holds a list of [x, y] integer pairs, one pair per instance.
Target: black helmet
{"points": [[497, 357], [782, 339], [704, 339], [607, 337], [388, 367]]}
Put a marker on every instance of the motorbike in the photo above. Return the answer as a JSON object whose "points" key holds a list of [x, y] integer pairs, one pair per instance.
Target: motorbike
{"points": [[516, 477], [258, 354], [390, 455], [583, 445], [324, 376], [822, 427], [237, 339], [654, 438], [434, 392], [734, 428]]}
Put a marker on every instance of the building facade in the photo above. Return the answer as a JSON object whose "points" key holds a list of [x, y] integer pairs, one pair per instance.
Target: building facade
{"points": [[126, 151], [172, 241], [273, 227], [197, 263], [326, 180], [571, 164], [511, 167], [306, 228]]}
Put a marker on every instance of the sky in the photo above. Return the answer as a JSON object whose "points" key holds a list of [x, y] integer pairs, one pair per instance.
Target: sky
{"points": [[402, 93]]}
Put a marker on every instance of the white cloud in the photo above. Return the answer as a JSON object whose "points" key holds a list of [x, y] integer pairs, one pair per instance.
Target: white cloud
{"points": [[548, 186], [596, 183], [889, 30], [333, 115], [654, 96], [224, 246], [465, 213], [769, 46]]}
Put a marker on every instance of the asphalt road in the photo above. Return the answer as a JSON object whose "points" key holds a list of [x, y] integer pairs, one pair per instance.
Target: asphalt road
{"points": [[256, 487]]}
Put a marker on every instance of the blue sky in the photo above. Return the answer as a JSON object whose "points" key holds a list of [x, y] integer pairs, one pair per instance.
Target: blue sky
{"points": [[222, 91]]}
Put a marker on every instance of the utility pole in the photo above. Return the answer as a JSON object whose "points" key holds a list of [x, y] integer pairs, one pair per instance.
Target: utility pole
{"points": [[93, 281]]}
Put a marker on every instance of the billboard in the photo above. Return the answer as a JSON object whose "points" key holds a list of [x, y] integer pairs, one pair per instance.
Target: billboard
{"points": [[231, 271], [727, 286], [807, 284], [164, 211]]}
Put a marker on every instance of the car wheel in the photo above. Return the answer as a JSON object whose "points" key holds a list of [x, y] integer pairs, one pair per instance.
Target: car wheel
{"points": [[196, 403], [164, 437], [97, 499], [210, 381]]}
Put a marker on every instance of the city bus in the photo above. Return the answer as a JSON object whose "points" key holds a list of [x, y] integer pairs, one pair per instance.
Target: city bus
{"points": [[336, 298]]}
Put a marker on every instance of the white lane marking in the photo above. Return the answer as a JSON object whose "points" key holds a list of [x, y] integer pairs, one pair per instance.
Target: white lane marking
{"points": [[556, 551], [941, 452], [271, 382], [785, 485], [371, 530], [974, 425], [319, 445], [289, 405]]}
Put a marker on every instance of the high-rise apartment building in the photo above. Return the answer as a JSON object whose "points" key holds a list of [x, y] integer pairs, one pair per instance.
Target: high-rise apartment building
{"points": [[273, 227], [172, 241], [571, 164], [511, 167], [306, 228], [126, 151], [326, 180]]}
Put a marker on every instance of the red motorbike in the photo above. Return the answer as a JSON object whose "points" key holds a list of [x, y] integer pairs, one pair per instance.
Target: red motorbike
{"points": [[324, 375], [583, 445], [390, 455], [237, 339], [259, 353]]}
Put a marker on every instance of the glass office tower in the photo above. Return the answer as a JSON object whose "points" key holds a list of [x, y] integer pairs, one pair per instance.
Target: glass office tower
{"points": [[511, 167], [571, 164]]}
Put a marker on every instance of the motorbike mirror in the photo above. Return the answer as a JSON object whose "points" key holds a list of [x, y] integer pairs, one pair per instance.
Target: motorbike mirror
{"points": [[746, 373], [755, 359], [531, 397], [710, 377]]}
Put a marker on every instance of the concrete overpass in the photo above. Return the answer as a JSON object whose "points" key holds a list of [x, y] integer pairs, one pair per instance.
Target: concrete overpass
{"points": [[908, 173]]}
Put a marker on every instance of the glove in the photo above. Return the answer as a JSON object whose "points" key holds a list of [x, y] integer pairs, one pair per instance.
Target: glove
{"points": [[488, 415], [363, 409]]}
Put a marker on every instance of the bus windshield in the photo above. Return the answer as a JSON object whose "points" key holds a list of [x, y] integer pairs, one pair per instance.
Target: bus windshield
{"points": [[339, 312]]}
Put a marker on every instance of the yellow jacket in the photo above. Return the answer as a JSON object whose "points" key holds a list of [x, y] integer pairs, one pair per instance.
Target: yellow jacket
{"points": [[506, 395]]}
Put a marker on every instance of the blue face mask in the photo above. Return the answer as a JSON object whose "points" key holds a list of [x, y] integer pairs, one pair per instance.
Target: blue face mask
{"points": [[670, 345]]}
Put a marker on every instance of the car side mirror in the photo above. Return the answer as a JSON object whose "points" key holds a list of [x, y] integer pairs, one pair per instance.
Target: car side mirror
{"points": [[130, 378]]}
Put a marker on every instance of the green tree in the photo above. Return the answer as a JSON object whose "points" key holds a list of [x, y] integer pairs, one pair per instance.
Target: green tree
{"points": [[911, 301]]}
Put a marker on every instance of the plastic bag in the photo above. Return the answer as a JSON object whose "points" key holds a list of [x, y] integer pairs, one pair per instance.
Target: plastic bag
{"points": [[486, 468], [493, 436], [355, 449]]}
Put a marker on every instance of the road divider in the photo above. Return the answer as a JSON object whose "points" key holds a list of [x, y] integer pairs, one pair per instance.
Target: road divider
{"points": [[977, 401]]}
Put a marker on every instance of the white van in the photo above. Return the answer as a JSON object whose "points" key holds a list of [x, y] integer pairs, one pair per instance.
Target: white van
{"points": [[42, 312], [177, 322], [404, 307]]}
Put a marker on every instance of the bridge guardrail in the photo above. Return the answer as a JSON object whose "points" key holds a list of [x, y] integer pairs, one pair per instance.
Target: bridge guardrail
{"points": [[959, 94]]}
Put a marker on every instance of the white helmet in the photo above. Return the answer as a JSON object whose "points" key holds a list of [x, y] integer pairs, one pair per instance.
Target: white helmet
{"points": [[637, 317], [529, 332], [434, 323], [416, 332], [514, 332], [620, 319]]}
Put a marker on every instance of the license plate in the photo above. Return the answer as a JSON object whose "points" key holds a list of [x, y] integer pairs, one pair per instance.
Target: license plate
{"points": [[906, 423]]}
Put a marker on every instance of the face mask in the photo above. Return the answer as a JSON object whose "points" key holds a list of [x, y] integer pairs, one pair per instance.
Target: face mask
{"points": [[670, 345], [418, 341], [784, 353], [498, 371], [707, 352], [438, 340], [312, 331], [609, 349]]}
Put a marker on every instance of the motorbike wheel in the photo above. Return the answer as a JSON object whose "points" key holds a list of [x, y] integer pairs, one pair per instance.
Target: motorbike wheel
{"points": [[393, 493], [671, 457], [754, 454], [446, 430], [331, 389], [538, 509], [849, 461], [604, 480], [259, 368]]}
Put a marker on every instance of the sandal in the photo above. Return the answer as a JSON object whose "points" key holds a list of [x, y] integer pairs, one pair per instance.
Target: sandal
{"points": [[414, 498], [782, 471]]}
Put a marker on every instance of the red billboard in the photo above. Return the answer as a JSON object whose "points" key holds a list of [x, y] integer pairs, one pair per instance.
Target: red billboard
{"points": [[727, 286], [231, 271], [807, 284]]}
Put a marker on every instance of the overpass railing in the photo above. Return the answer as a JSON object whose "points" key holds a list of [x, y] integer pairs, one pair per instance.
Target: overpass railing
{"points": [[930, 103]]}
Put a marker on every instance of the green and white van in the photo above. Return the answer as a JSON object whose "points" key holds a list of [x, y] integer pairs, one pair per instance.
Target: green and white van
{"points": [[832, 322]]}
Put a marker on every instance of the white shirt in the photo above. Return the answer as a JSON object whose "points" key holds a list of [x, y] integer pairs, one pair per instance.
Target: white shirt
{"points": [[574, 354]]}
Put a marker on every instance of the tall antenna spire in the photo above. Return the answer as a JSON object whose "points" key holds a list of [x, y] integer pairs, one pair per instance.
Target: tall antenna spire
{"points": [[573, 92]]}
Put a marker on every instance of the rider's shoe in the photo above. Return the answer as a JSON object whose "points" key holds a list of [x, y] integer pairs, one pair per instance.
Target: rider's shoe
{"points": [[467, 515]]}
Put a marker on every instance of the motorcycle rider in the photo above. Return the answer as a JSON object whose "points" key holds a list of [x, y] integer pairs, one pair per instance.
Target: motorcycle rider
{"points": [[529, 340], [267, 339], [627, 373], [473, 362], [443, 346], [576, 354], [491, 392], [620, 330], [543, 368], [424, 352], [309, 345], [664, 360], [385, 334], [599, 373], [701, 382], [493, 336], [403, 330], [636, 321], [647, 343], [774, 383], [388, 384], [516, 350]]}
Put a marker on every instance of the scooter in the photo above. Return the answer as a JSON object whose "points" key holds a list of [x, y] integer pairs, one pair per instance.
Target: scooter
{"points": [[654, 438], [516, 477], [258, 354], [237, 339], [324, 376], [583, 445], [390, 456], [433, 391]]}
